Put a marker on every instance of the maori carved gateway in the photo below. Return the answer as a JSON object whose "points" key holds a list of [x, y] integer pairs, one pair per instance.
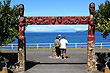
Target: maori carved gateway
{"points": [[57, 20]]}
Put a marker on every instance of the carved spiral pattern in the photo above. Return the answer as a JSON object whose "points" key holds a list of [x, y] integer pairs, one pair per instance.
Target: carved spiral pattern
{"points": [[64, 20]]}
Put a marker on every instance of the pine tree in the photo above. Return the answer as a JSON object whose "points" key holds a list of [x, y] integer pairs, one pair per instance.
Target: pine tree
{"points": [[102, 18], [8, 22]]}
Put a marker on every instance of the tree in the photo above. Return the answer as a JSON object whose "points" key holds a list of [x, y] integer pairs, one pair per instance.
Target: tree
{"points": [[8, 22], [102, 18]]}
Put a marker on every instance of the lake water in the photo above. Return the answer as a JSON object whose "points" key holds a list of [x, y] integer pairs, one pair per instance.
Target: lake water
{"points": [[72, 37], [49, 37]]}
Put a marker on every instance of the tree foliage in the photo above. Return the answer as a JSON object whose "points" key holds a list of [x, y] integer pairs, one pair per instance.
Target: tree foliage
{"points": [[8, 22], [102, 18]]}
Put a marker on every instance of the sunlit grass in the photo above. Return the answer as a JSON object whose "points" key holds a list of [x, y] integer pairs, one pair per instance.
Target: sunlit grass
{"points": [[1, 49]]}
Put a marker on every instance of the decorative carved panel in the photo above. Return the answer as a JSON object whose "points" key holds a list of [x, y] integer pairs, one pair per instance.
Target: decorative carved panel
{"points": [[67, 20]]}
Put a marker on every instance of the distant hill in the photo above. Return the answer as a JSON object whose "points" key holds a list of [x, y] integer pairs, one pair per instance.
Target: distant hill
{"points": [[87, 31]]}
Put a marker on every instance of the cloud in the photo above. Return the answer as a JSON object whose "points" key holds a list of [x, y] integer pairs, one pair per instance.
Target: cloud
{"points": [[56, 28], [81, 27]]}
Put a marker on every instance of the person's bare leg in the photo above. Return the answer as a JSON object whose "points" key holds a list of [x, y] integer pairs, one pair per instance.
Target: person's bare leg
{"points": [[61, 56], [64, 55]]}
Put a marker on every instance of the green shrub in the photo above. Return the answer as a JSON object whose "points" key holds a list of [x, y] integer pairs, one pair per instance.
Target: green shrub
{"points": [[82, 47]]}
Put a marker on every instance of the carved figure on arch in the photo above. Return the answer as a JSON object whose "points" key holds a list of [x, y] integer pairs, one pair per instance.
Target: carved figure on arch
{"points": [[46, 20], [21, 10], [91, 27], [40, 20], [59, 20], [53, 20], [65, 20], [21, 28]]}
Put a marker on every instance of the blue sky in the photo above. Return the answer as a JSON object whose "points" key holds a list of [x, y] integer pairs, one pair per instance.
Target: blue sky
{"points": [[56, 8]]}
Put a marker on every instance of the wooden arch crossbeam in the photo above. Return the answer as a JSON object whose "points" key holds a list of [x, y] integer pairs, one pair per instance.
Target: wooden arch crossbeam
{"points": [[57, 20]]}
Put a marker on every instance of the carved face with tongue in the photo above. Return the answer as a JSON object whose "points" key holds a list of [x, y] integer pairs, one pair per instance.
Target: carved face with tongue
{"points": [[91, 8], [21, 10]]}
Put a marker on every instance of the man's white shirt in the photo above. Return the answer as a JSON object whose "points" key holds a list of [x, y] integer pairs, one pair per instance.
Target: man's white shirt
{"points": [[63, 43]]}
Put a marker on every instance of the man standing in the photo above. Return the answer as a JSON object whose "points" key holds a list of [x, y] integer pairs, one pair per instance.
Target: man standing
{"points": [[63, 43]]}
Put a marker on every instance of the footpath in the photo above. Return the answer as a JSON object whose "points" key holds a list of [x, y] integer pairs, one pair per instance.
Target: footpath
{"points": [[40, 61]]}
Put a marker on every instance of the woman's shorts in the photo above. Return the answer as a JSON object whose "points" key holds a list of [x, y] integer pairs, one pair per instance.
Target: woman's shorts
{"points": [[63, 50]]}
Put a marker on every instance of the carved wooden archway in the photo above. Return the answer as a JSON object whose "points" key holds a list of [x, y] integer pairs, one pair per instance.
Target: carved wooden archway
{"points": [[57, 20]]}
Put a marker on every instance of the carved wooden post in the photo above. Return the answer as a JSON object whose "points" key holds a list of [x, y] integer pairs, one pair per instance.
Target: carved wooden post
{"points": [[21, 40], [91, 40]]}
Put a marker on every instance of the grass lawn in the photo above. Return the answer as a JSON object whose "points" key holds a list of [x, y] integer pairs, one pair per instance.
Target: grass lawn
{"points": [[1, 49]]}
